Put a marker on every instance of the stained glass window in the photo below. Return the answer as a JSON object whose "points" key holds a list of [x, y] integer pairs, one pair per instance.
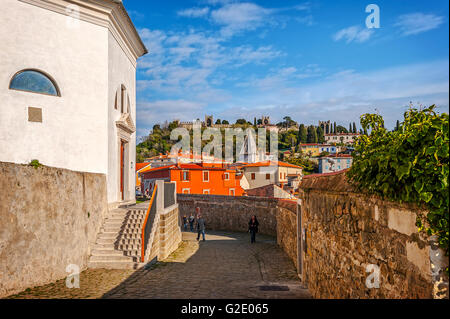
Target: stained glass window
{"points": [[34, 81]]}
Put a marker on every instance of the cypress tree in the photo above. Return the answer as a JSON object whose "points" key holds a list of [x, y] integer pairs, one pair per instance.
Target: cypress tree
{"points": [[354, 127], [320, 135], [334, 130], [302, 134]]}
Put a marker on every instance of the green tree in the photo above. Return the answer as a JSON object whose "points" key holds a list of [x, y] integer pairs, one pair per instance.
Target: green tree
{"points": [[341, 129], [225, 122], [302, 134], [312, 135], [241, 121], [218, 121], [354, 128], [320, 135], [334, 129]]}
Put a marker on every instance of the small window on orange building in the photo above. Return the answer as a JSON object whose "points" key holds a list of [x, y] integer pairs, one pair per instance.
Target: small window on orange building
{"points": [[206, 176], [232, 192], [206, 191], [185, 175], [186, 191], [226, 176], [253, 175], [267, 176]]}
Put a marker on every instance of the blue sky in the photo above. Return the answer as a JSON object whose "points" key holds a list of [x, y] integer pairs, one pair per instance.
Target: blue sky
{"points": [[313, 60]]}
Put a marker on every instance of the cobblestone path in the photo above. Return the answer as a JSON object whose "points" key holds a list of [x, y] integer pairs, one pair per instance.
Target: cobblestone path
{"points": [[226, 265]]}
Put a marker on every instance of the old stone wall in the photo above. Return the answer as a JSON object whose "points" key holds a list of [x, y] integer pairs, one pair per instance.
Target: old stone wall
{"points": [[49, 219], [170, 233], [166, 231], [231, 212], [277, 217], [348, 233], [287, 228]]}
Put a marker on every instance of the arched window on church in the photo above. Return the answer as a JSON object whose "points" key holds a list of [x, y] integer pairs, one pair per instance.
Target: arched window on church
{"points": [[116, 102], [123, 94], [31, 80]]}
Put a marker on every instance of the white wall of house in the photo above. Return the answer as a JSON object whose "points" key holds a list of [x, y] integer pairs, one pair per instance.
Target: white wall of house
{"points": [[73, 132], [333, 164], [277, 175], [121, 71]]}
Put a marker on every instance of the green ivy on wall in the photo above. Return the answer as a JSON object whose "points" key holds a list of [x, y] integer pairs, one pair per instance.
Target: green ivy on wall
{"points": [[409, 164]]}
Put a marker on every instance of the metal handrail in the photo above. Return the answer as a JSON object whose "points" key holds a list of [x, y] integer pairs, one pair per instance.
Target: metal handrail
{"points": [[146, 229]]}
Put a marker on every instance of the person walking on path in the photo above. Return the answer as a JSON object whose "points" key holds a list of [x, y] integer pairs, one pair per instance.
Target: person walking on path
{"points": [[191, 222], [201, 225], [253, 228], [185, 222]]}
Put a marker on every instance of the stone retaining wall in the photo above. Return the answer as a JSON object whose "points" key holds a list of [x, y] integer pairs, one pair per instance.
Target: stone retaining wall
{"points": [[347, 232], [49, 219], [167, 235], [231, 212], [277, 217]]}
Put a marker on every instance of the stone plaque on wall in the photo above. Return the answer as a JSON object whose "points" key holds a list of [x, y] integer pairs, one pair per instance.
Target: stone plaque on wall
{"points": [[34, 114]]}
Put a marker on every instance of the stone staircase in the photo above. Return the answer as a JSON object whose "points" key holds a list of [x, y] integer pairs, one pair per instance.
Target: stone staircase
{"points": [[118, 243]]}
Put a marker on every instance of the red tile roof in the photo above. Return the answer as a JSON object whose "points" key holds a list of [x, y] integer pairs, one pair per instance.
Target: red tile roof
{"points": [[141, 165], [268, 163]]}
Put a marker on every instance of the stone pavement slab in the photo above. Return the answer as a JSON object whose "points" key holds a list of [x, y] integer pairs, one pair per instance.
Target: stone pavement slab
{"points": [[225, 266]]}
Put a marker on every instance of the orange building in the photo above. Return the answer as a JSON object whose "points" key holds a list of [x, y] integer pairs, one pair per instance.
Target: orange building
{"points": [[202, 178], [139, 168]]}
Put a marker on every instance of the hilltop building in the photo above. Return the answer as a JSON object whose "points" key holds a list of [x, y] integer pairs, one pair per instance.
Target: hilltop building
{"points": [[334, 163], [314, 149], [68, 88], [346, 138], [208, 122]]}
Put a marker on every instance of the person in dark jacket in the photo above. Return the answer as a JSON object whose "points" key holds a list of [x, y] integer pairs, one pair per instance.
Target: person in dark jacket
{"points": [[191, 222], [253, 228], [185, 222], [201, 225]]}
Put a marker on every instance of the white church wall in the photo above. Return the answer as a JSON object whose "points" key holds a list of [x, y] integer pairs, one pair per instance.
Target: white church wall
{"points": [[73, 132]]}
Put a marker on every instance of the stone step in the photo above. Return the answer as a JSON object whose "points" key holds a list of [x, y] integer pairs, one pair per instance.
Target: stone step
{"points": [[128, 247], [105, 241], [113, 258], [127, 215], [132, 253], [109, 229], [131, 231], [124, 225], [104, 235], [115, 265], [130, 236], [107, 252], [129, 241], [109, 245]]}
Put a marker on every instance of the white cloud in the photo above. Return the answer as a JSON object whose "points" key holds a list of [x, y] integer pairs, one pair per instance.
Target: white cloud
{"points": [[150, 113], [236, 17], [194, 12], [415, 23], [353, 33], [190, 61], [345, 95]]}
